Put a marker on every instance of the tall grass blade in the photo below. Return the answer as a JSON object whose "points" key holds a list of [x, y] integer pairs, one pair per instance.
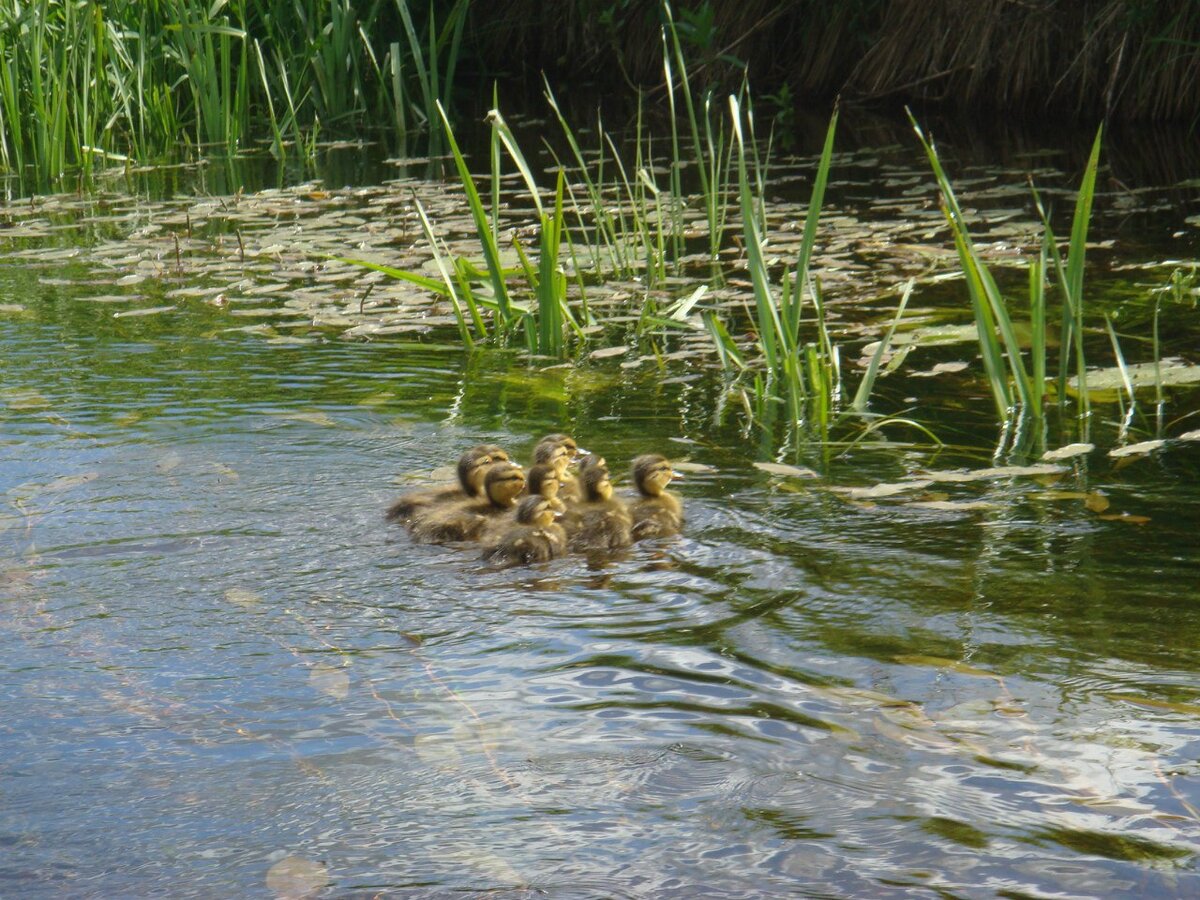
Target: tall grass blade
{"points": [[991, 314], [867, 385], [491, 252], [773, 338]]}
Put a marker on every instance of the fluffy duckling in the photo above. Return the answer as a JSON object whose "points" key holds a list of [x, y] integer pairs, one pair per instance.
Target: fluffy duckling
{"points": [[471, 469], [656, 513], [544, 479], [467, 520], [541, 480], [572, 485], [533, 538], [564, 439], [558, 455], [600, 521]]}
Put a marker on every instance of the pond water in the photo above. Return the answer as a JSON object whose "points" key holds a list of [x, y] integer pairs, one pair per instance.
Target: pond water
{"points": [[223, 674]]}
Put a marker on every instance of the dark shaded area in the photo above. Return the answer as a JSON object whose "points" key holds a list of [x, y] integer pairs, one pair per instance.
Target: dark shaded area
{"points": [[1126, 59]]}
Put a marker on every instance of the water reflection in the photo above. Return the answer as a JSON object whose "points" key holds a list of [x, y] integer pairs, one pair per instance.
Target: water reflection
{"points": [[224, 675]]}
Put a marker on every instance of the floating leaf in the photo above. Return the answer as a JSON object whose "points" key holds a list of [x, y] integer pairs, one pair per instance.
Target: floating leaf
{"points": [[24, 399], [785, 471], [294, 878], [225, 471], [1168, 372], [147, 311], [608, 352], [1135, 449], [331, 680], [885, 490], [168, 463], [996, 472], [685, 466], [943, 368], [1096, 502], [1069, 451], [66, 482], [313, 418], [1127, 518], [952, 505], [242, 597]]}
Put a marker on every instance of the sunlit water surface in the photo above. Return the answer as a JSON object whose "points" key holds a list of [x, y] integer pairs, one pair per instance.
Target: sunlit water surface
{"points": [[223, 675]]}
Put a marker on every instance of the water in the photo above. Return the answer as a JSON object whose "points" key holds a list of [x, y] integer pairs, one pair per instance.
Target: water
{"points": [[224, 675]]}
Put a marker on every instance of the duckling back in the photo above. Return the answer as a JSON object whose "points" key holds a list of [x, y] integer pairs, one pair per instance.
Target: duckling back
{"points": [[470, 470], [522, 545], [600, 522], [655, 517], [463, 521], [467, 520], [655, 513]]}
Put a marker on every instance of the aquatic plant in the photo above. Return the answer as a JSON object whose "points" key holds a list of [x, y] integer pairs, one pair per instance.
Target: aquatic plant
{"points": [[125, 80], [1014, 390]]}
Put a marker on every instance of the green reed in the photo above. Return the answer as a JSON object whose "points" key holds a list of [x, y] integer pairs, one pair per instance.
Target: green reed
{"points": [[1015, 390], [86, 81], [804, 375]]}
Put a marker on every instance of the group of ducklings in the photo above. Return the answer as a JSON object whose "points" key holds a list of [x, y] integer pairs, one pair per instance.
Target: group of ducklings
{"points": [[563, 503]]}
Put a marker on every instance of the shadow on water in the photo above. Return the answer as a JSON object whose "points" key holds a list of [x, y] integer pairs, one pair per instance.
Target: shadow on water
{"points": [[222, 671]]}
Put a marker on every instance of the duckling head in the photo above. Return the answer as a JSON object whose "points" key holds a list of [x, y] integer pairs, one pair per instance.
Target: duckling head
{"points": [[503, 483], [590, 460], [564, 439], [596, 486], [472, 467], [536, 511], [552, 454], [652, 473], [544, 479], [496, 453]]}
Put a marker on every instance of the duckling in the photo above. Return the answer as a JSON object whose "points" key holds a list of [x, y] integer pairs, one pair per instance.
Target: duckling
{"points": [[497, 453], [600, 521], [572, 487], [533, 538], [564, 439], [544, 479], [558, 455], [466, 520], [541, 480], [471, 468], [656, 513]]}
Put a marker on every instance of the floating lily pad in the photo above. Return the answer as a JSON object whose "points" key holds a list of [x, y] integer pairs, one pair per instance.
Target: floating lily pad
{"points": [[1035, 470], [1171, 372], [785, 471], [952, 505], [608, 352], [242, 597], [685, 466], [1135, 449], [878, 491], [1068, 452], [148, 311], [1127, 518]]}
